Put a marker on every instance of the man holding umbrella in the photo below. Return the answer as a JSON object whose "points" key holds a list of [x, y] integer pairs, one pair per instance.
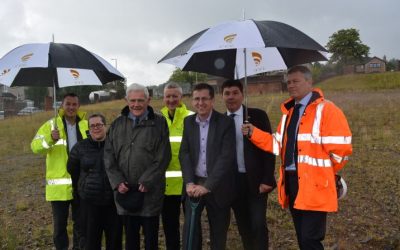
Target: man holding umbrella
{"points": [[56, 137], [314, 141]]}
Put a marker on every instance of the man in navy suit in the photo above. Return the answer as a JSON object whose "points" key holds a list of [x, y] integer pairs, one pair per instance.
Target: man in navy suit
{"points": [[254, 170], [207, 156]]}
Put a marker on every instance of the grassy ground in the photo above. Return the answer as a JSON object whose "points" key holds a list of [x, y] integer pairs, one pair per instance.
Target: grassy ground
{"points": [[368, 216]]}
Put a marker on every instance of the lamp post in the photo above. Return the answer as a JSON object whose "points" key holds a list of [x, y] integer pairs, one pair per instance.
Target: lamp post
{"points": [[116, 62], [116, 66]]}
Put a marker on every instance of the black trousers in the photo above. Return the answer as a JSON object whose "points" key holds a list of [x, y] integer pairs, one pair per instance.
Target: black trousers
{"points": [[250, 212], [310, 225], [60, 210], [132, 226], [170, 219], [218, 218], [97, 219]]}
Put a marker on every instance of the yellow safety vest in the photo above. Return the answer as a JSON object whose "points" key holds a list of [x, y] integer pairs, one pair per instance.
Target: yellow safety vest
{"points": [[173, 174], [58, 180]]}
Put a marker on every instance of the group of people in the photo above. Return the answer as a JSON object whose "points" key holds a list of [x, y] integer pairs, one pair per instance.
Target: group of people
{"points": [[148, 164]]}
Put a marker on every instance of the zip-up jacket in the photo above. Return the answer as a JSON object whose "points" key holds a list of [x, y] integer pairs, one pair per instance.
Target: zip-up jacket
{"points": [[58, 180], [173, 175], [323, 147]]}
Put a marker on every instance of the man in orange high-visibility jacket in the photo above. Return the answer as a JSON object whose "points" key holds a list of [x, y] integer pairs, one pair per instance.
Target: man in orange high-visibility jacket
{"points": [[314, 141]]}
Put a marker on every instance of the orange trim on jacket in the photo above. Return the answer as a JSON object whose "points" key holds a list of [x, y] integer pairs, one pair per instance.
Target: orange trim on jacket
{"points": [[323, 148]]}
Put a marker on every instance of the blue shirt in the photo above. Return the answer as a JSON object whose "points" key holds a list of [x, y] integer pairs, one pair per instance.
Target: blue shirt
{"points": [[201, 169], [303, 103], [133, 118], [239, 138]]}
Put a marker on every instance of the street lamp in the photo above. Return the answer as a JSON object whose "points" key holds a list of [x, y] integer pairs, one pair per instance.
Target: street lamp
{"points": [[116, 62]]}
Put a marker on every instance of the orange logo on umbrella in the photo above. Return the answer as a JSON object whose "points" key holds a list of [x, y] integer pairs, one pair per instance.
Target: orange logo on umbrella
{"points": [[26, 57], [5, 71], [74, 73], [230, 38], [257, 57]]}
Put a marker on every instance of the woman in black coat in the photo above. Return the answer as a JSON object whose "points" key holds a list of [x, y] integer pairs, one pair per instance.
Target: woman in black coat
{"points": [[91, 186]]}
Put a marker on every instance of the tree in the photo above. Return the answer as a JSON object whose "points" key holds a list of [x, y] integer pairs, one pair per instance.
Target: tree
{"points": [[346, 47], [180, 76], [392, 64]]}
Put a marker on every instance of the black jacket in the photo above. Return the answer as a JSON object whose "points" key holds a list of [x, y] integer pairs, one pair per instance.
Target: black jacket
{"points": [[86, 167]]}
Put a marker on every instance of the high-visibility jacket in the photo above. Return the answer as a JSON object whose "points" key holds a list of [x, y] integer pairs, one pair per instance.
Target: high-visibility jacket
{"points": [[173, 174], [58, 180], [323, 148]]}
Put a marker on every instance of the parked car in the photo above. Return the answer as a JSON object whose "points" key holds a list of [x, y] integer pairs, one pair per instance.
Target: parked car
{"points": [[29, 111]]}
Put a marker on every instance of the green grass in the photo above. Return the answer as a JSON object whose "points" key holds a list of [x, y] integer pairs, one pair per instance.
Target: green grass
{"points": [[368, 216]]}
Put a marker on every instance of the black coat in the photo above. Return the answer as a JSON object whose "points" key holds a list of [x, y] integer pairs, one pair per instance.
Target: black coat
{"points": [[86, 167], [260, 165]]}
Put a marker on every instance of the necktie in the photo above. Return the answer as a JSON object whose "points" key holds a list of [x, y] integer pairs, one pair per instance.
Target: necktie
{"points": [[232, 115], [137, 120], [291, 136]]}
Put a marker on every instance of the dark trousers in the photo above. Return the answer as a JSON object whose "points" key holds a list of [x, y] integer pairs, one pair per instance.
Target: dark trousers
{"points": [[310, 225], [132, 226], [97, 219], [170, 219], [60, 211], [250, 212], [218, 217]]}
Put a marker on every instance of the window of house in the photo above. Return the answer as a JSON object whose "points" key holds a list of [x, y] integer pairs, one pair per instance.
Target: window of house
{"points": [[374, 65]]}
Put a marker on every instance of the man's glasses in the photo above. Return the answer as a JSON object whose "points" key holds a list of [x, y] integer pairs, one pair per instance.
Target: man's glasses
{"points": [[97, 125], [201, 99]]}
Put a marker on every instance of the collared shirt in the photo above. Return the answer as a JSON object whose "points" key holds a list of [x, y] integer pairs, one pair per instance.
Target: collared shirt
{"points": [[201, 169], [239, 138], [71, 135], [303, 103], [141, 118]]}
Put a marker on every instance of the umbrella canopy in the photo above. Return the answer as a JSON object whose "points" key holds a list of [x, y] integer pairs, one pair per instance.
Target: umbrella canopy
{"points": [[55, 65], [237, 49]]}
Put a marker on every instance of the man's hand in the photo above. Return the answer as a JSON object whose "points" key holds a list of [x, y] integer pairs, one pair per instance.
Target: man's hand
{"points": [[55, 135], [247, 129], [190, 189], [142, 188], [123, 188], [264, 188], [199, 191]]}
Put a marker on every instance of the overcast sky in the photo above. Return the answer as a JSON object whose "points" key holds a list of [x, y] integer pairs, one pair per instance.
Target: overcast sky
{"points": [[140, 32]]}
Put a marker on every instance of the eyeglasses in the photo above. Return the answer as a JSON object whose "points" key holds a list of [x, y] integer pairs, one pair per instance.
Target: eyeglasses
{"points": [[202, 99], [97, 125]]}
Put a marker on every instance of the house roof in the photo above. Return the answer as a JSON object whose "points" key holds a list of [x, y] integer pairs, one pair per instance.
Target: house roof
{"points": [[8, 95]]}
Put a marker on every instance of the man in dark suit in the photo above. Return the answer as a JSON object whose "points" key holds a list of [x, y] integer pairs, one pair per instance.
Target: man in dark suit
{"points": [[254, 170], [207, 157]]}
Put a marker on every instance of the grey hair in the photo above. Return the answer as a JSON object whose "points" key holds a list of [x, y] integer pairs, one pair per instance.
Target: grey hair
{"points": [[173, 85], [302, 69], [137, 87]]}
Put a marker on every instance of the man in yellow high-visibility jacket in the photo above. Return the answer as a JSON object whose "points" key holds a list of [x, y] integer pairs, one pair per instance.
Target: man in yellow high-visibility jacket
{"points": [[55, 138], [174, 112]]}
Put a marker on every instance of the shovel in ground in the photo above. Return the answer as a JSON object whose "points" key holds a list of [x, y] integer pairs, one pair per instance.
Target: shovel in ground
{"points": [[194, 203]]}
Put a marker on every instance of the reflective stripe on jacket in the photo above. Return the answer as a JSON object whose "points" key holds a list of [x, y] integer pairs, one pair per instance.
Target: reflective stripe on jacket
{"points": [[58, 180], [173, 174], [323, 148]]}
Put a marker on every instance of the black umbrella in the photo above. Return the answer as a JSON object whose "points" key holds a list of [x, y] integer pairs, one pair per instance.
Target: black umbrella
{"points": [[237, 49], [55, 65]]}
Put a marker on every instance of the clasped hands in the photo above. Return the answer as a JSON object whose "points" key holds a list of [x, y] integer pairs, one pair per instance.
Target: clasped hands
{"points": [[123, 188], [196, 191]]}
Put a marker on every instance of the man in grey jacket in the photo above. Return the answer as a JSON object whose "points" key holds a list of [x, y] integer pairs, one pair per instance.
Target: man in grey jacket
{"points": [[136, 154]]}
